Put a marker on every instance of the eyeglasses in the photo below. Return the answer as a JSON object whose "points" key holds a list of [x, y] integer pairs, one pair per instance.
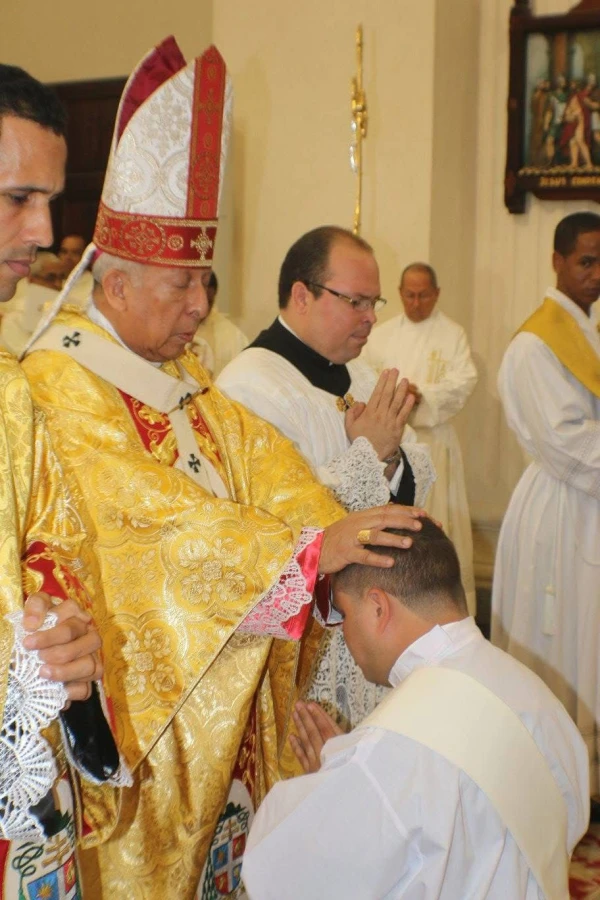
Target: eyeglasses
{"points": [[360, 304]]}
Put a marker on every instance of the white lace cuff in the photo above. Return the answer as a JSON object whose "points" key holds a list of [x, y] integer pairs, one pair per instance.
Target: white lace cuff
{"points": [[27, 766], [423, 470], [291, 595], [356, 477]]}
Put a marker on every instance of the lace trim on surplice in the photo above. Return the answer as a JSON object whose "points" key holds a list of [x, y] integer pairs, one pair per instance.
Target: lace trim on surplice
{"points": [[287, 597], [27, 766]]}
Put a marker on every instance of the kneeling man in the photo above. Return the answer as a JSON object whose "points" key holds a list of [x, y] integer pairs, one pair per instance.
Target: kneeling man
{"points": [[468, 780]]}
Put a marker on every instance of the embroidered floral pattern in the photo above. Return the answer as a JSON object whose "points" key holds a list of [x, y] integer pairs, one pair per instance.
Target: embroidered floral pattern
{"points": [[144, 654]]}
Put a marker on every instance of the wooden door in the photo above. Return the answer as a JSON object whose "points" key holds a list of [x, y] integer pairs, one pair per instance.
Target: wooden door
{"points": [[92, 108]]}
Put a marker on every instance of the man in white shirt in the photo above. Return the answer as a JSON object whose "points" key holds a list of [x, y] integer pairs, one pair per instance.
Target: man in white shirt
{"points": [[433, 795], [546, 594], [432, 351], [303, 376]]}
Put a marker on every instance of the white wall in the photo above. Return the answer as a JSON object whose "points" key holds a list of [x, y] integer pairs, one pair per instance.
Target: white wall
{"points": [[512, 268], [292, 66], [74, 41]]}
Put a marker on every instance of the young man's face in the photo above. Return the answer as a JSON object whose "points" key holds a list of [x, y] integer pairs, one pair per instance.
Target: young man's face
{"points": [[32, 166], [578, 273]]}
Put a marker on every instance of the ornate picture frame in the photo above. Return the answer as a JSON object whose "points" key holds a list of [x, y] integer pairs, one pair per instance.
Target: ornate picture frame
{"points": [[553, 143]]}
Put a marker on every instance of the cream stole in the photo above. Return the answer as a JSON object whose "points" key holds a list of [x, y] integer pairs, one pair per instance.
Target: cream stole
{"points": [[456, 716]]}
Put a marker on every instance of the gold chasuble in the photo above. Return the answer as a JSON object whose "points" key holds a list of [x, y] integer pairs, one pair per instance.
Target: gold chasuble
{"points": [[16, 473], [40, 531], [559, 331], [40, 536], [174, 573]]}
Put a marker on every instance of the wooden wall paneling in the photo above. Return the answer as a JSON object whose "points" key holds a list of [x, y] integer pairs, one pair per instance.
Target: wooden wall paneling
{"points": [[92, 108]]}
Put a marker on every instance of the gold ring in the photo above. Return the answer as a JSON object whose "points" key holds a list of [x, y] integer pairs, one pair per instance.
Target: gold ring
{"points": [[364, 536]]}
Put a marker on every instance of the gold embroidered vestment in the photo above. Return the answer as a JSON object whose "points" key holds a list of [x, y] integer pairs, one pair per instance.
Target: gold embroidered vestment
{"points": [[173, 573]]}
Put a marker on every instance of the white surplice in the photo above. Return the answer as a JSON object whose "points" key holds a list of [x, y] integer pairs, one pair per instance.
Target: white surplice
{"points": [[274, 389], [224, 339], [387, 817], [546, 594], [435, 356]]}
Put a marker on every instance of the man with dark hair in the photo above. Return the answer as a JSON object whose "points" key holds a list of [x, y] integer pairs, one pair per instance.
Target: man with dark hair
{"points": [[432, 352], [41, 542], [33, 152], [567, 231], [303, 376], [468, 780], [308, 259], [26, 98], [546, 594]]}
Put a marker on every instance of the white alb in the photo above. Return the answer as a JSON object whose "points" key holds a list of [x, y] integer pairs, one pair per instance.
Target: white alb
{"points": [[387, 817], [546, 593]]}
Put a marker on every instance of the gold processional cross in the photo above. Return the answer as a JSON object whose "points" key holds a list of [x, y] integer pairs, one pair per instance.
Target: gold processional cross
{"points": [[359, 131], [358, 101]]}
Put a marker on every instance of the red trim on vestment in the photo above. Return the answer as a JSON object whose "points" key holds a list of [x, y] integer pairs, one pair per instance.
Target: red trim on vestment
{"points": [[39, 559], [156, 240], [205, 142], [153, 426], [308, 561], [4, 851]]}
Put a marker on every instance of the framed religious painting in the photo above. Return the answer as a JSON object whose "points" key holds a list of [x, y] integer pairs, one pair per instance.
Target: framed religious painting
{"points": [[553, 146]]}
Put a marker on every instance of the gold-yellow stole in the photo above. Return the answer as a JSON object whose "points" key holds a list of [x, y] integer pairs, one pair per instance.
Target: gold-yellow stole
{"points": [[561, 333]]}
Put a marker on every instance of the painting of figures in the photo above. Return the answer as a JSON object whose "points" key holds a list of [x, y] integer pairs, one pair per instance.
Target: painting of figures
{"points": [[562, 103]]}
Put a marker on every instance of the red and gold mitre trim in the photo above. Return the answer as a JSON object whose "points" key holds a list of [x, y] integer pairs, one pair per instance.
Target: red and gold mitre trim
{"points": [[184, 232], [205, 145], [156, 240]]}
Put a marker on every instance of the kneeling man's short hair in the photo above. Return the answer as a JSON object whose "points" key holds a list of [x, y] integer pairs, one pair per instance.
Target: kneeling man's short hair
{"points": [[424, 577]]}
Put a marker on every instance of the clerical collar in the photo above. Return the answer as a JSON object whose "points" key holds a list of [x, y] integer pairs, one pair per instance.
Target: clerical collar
{"points": [[279, 338]]}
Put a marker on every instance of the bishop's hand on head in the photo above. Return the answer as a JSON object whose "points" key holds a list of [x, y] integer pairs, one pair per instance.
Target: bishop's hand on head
{"points": [[343, 542]]}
